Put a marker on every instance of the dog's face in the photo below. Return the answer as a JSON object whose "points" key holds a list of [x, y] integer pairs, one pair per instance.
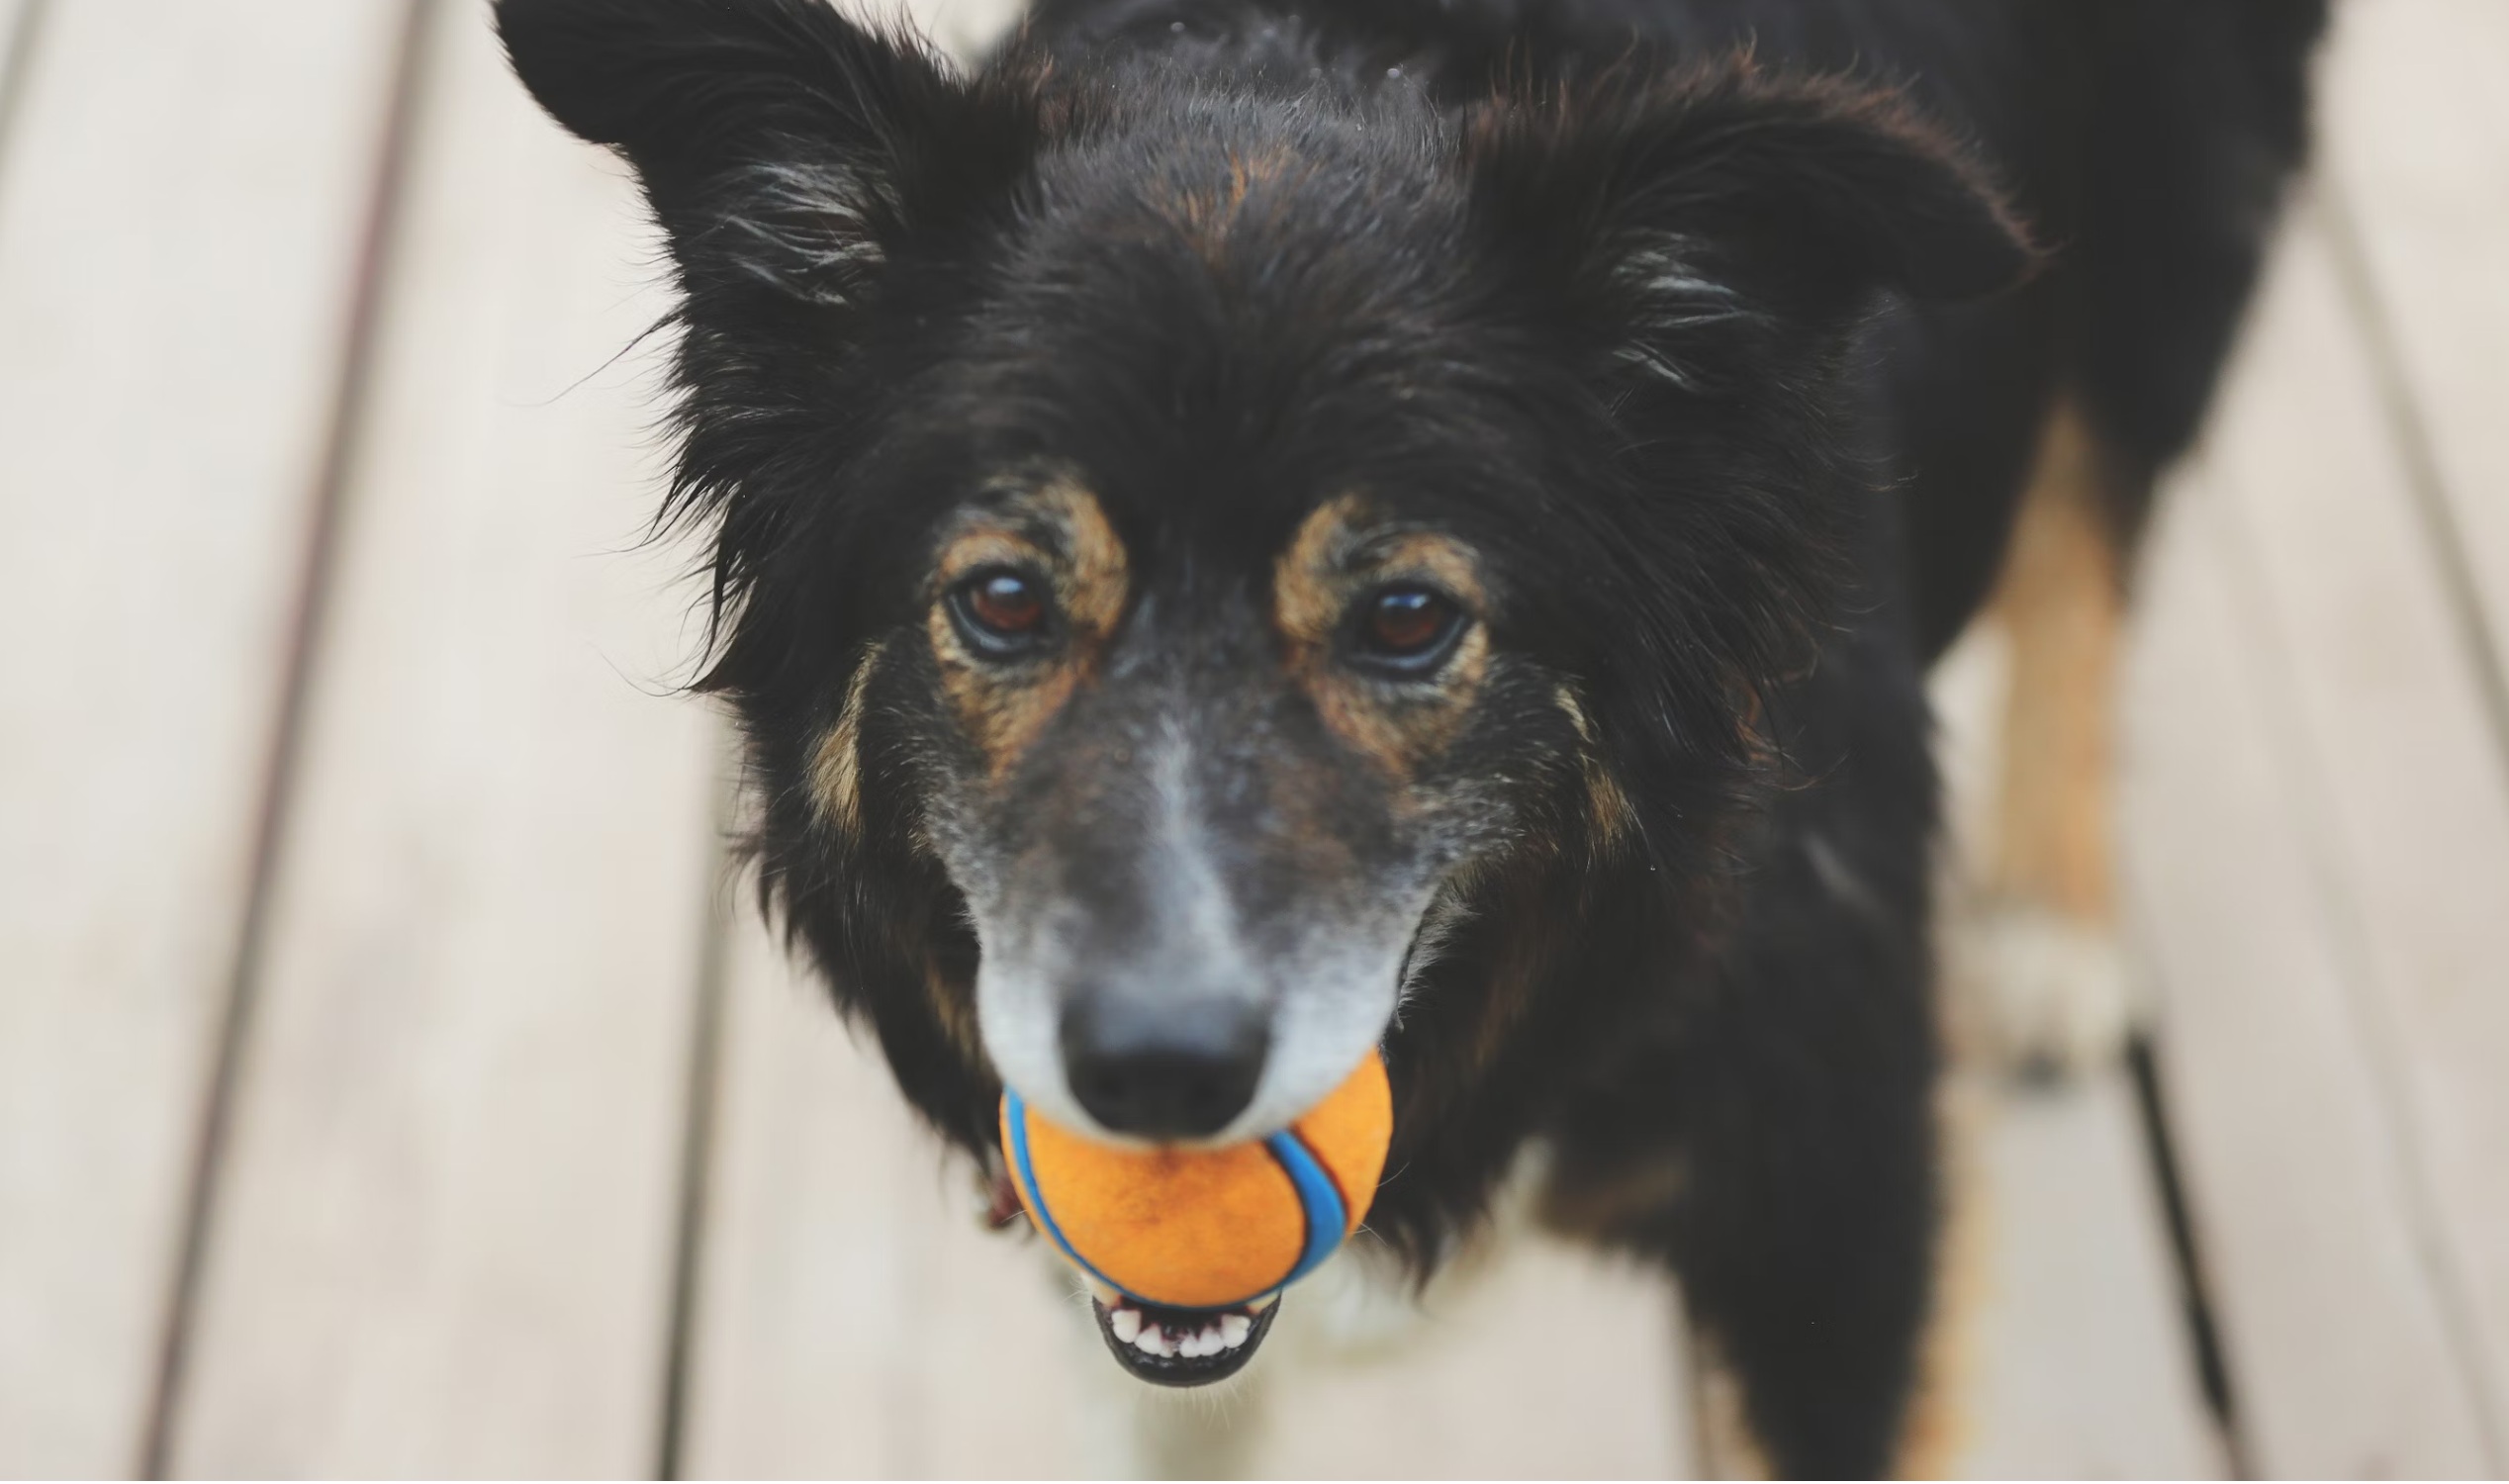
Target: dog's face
{"points": [[1184, 538], [1199, 791]]}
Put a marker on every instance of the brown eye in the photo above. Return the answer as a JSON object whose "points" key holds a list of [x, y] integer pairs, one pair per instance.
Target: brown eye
{"points": [[1409, 629], [1001, 612]]}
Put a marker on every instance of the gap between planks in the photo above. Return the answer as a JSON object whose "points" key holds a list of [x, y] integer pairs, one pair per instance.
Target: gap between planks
{"points": [[443, 1243], [701, 1137], [2080, 1359], [2414, 193], [2342, 601], [155, 572], [2342, 1333], [313, 586], [21, 31]]}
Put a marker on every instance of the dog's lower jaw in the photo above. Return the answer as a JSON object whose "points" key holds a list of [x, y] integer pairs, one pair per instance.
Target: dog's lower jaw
{"points": [[1181, 1347]]}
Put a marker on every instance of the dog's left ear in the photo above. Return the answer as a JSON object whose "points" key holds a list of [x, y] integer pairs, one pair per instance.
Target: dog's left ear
{"points": [[783, 147], [1671, 210]]}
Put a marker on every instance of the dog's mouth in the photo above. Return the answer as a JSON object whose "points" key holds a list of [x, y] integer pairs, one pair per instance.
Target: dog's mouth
{"points": [[1153, 1343], [1181, 1346]]}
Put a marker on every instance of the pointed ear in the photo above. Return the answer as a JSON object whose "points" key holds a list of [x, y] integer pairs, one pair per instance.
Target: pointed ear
{"points": [[1690, 209], [782, 146]]}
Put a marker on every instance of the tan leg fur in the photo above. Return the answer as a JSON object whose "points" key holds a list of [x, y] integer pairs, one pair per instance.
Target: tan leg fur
{"points": [[2035, 957]]}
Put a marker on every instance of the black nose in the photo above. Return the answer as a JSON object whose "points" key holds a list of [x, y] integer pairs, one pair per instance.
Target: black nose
{"points": [[1164, 1071]]}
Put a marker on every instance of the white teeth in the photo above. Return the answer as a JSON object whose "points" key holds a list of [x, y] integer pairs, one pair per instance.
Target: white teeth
{"points": [[1131, 1326]]}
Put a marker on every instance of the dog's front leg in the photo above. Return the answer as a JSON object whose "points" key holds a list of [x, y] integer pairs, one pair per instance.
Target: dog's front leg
{"points": [[1806, 1232], [2041, 978], [1777, 1143]]}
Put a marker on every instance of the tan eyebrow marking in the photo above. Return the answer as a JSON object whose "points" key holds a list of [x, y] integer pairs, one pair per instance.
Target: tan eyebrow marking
{"points": [[1061, 530], [1306, 602], [1058, 530], [1337, 553]]}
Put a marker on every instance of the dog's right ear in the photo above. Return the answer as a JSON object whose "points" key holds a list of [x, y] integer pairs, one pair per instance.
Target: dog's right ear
{"points": [[784, 149], [1678, 215]]}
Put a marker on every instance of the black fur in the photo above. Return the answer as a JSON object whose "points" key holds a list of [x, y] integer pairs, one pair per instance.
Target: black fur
{"points": [[1712, 324]]}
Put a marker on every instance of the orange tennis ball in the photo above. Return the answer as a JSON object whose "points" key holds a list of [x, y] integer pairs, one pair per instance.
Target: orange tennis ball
{"points": [[1206, 1228]]}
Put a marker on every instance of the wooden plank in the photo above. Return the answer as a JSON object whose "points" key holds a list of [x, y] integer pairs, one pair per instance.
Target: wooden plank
{"points": [[2418, 150], [850, 1308], [2413, 812], [2077, 1361], [1556, 1364], [2073, 1358], [178, 262], [2416, 141], [2316, 1257], [443, 1238], [12, 15]]}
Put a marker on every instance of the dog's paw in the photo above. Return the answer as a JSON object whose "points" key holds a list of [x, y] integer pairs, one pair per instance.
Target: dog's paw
{"points": [[2037, 995]]}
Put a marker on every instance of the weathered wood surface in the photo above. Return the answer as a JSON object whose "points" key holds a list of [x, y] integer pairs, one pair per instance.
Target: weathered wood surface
{"points": [[2410, 808], [2344, 1307], [2416, 155], [443, 1234], [179, 256], [2070, 1356], [2408, 701], [1554, 1365], [2078, 1362], [849, 1305], [17, 19]]}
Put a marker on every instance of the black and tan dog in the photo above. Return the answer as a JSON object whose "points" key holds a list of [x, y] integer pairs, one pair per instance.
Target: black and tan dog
{"points": [[1251, 529]]}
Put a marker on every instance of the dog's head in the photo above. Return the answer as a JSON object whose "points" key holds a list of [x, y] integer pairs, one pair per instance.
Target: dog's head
{"points": [[1182, 533]]}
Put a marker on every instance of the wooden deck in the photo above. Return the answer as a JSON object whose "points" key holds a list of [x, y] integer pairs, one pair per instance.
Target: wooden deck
{"points": [[389, 1085]]}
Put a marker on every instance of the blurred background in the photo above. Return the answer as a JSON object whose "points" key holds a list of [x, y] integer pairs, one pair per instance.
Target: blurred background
{"points": [[395, 1081]]}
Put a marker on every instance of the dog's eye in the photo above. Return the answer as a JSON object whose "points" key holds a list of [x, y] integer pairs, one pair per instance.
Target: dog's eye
{"points": [[1000, 611], [1407, 628]]}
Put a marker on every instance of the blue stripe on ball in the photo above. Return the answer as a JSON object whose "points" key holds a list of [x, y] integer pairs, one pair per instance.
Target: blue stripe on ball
{"points": [[1026, 1174], [1316, 1195]]}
